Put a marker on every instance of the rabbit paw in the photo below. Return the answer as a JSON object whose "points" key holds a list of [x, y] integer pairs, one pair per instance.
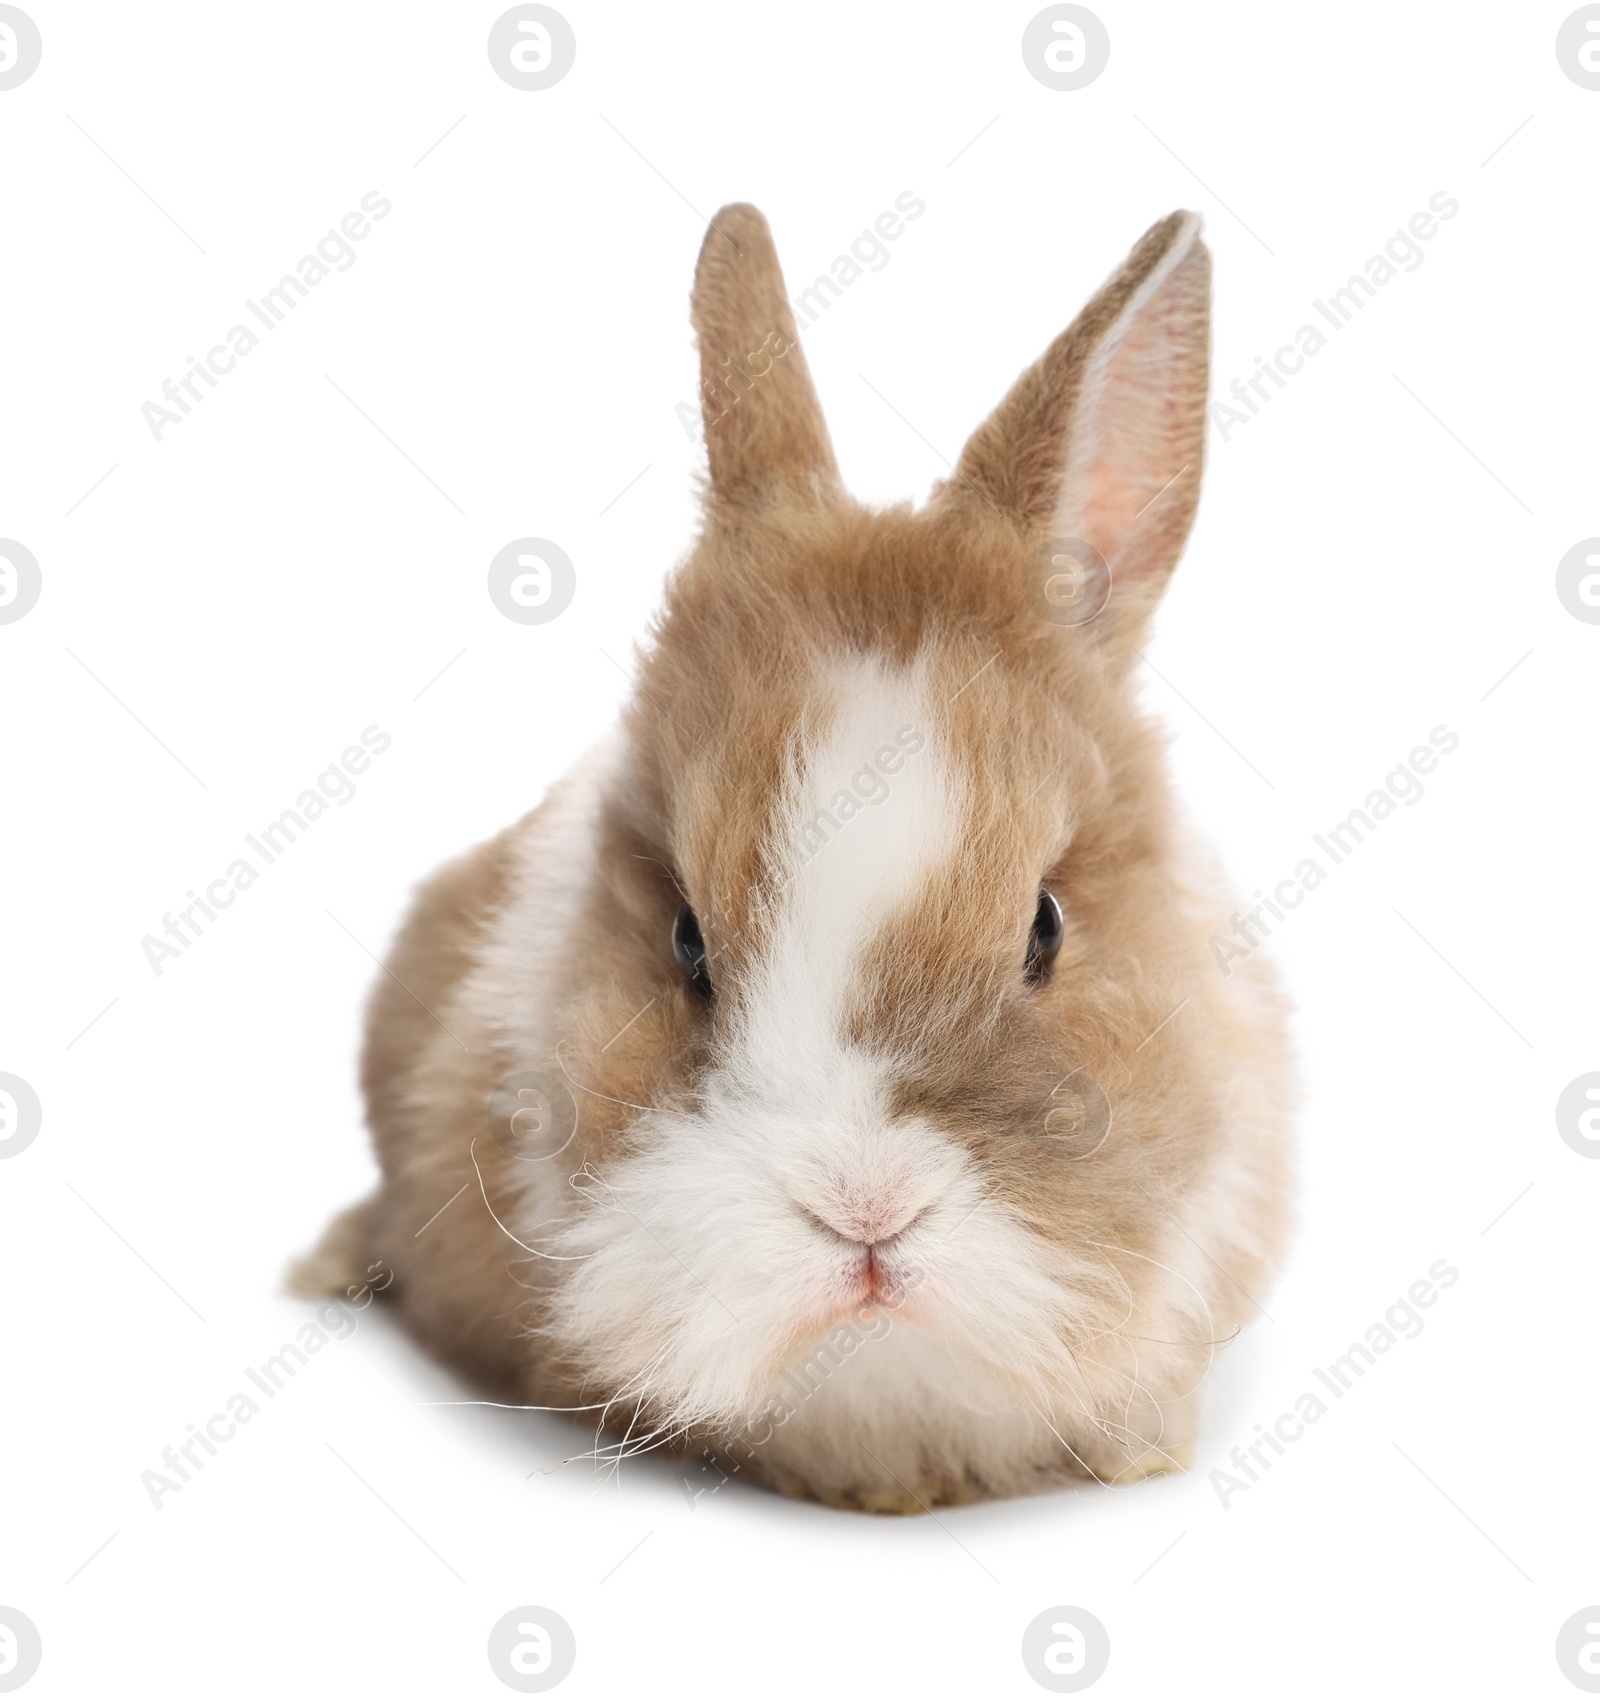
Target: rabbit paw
{"points": [[1170, 1459]]}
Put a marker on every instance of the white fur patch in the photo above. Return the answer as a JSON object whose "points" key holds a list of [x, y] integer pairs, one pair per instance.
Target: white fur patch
{"points": [[522, 961], [873, 808]]}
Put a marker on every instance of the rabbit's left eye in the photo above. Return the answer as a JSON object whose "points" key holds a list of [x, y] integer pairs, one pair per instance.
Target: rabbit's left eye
{"points": [[689, 949], [1044, 941]]}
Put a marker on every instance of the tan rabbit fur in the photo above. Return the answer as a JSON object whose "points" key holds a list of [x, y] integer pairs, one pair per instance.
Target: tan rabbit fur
{"points": [[887, 1219]]}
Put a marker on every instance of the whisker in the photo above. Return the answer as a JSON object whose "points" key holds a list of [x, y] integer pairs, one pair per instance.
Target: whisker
{"points": [[488, 1403], [643, 1108], [1072, 1453], [1210, 1318], [472, 1150]]}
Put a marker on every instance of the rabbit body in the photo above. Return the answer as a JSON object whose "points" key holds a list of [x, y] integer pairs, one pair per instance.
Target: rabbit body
{"points": [[933, 1156]]}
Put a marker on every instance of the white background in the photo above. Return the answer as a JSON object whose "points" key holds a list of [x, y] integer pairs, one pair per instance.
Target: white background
{"points": [[233, 604]]}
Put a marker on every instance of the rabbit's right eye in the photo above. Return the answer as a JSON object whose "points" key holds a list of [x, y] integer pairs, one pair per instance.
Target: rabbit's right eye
{"points": [[689, 949]]}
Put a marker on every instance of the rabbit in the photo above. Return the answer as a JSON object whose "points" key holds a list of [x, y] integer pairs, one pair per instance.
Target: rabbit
{"points": [[829, 1081]]}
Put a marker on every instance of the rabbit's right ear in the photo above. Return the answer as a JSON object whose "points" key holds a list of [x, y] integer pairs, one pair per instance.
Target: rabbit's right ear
{"points": [[763, 422]]}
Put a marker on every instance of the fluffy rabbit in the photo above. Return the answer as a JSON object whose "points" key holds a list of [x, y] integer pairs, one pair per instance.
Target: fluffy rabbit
{"points": [[842, 1084]]}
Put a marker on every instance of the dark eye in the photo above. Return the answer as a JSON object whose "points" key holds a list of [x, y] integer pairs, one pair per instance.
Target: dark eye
{"points": [[1044, 941], [690, 950]]}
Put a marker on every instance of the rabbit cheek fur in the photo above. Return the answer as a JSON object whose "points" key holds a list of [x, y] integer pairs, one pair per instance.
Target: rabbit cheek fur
{"points": [[882, 1221]]}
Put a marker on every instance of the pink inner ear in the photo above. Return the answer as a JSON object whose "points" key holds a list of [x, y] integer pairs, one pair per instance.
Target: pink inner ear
{"points": [[1137, 436]]}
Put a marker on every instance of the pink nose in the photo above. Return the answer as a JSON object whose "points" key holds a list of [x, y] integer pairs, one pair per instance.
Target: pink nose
{"points": [[866, 1221]]}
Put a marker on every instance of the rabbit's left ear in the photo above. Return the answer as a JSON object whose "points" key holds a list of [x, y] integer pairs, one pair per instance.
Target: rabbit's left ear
{"points": [[763, 422], [1102, 440]]}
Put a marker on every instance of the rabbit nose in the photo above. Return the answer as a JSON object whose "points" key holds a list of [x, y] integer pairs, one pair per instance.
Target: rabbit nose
{"points": [[867, 1221]]}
